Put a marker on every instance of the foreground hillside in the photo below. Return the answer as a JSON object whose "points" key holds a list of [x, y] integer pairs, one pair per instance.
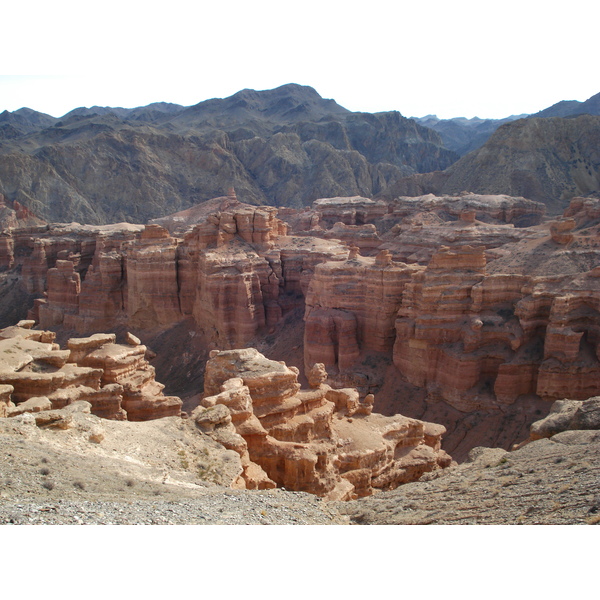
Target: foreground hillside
{"points": [[138, 475]]}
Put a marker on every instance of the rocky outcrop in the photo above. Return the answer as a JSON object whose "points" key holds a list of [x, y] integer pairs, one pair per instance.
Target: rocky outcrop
{"points": [[348, 210], [468, 207], [324, 441], [152, 288], [413, 228], [566, 415], [116, 379], [233, 274], [481, 339], [457, 308], [13, 215], [6, 404], [352, 306]]}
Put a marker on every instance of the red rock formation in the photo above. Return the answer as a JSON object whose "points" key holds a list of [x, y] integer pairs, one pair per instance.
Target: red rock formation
{"points": [[115, 379], [349, 211], [319, 440], [64, 287], [487, 208], [124, 366], [101, 303], [352, 305], [152, 290], [562, 231], [7, 251], [500, 314], [6, 404], [14, 215]]}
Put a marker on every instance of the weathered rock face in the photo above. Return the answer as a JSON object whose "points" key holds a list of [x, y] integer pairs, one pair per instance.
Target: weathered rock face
{"points": [[349, 211], [480, 340], [567, 415], [467, 206], [13, 215], [352, 305], [324, 441], [6, 404], [115, 379], [239, 272], [234, 274], [468, 312], [485, 329], [413, 228], [152, 290], [439, 333]]}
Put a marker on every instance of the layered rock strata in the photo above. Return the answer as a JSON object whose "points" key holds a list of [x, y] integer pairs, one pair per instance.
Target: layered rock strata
{"points": [[471, 309], [352, 306], [116, 379], [319, 440], [474, 328], [233, 274], [481, 340]]}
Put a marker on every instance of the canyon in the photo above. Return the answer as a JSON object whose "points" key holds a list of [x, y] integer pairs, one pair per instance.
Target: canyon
{"points": [[471, 312], [285, 295]]}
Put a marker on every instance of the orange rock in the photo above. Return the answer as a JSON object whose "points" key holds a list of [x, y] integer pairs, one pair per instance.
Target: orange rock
{"points": [[305, 440], [115, 379]]}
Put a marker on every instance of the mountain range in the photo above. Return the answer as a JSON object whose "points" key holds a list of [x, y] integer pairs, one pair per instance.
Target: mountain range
{"points": [[283, 147]]}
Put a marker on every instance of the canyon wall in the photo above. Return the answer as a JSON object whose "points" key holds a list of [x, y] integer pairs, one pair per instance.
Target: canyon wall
{"points": [[462, 298], [234, 274], [483, 317]]}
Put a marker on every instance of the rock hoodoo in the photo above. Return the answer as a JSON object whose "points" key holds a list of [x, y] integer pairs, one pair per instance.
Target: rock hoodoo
{"points": [[324, 441]]}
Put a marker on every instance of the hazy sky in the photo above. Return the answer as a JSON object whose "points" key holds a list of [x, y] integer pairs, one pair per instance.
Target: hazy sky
{"points": [[456, 58]]}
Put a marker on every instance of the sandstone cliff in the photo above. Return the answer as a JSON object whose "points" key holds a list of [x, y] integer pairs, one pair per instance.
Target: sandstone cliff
{"points": [[115, 379], [469, 305], [319, 440]]}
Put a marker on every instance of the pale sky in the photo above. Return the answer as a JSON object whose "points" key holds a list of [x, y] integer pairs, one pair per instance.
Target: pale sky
{"points": [[458, 58]]}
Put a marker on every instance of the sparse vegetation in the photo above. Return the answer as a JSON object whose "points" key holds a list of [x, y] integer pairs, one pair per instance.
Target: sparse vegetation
{"points": [[185, 464]]}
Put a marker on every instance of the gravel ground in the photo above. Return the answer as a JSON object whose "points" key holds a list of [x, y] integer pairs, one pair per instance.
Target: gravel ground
{"points": [[161, 472], [165, 473], [552, 481], [220, 507]]}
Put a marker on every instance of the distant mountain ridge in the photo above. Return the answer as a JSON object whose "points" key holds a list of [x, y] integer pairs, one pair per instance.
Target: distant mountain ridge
{"points": [[550, 160], [286, 146], [571, 108], [464, 135]]}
